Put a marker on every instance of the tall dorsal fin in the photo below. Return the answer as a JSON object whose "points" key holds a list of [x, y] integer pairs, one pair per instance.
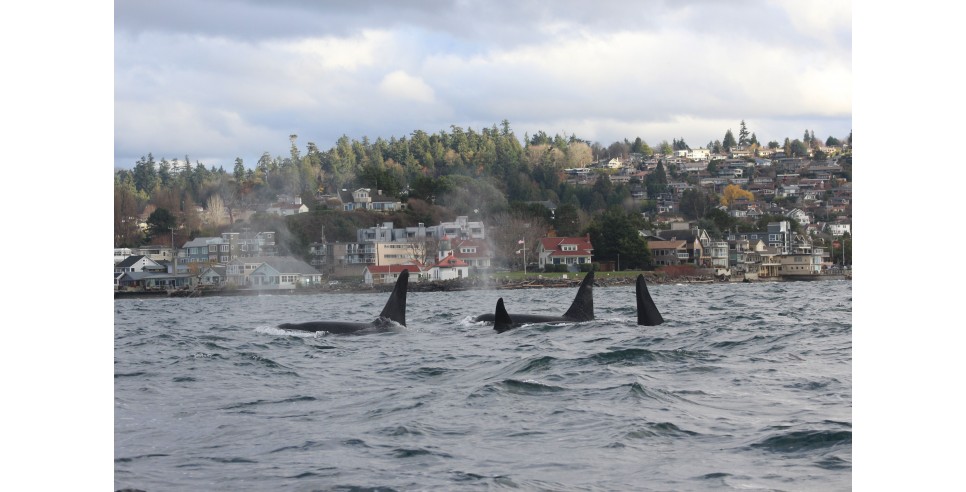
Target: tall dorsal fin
{"points": [[395, 309], [582, 309], [647, 313], [501, 319]]}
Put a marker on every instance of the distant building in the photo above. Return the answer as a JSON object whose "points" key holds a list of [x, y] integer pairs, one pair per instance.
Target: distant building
{"points": [[388, 274], [364, 198], [571, 251]]}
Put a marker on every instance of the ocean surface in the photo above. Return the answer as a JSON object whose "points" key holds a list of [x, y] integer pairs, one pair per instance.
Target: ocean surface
{"points": [[745, 386]]}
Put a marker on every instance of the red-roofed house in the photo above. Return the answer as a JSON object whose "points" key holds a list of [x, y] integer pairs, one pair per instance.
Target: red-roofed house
{"points": [[449, 268], [565, 251], [388, 274], [475, 252]]}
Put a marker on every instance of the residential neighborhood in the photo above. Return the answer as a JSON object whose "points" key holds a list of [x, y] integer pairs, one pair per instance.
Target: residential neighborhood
{"points": [[753, 213]]}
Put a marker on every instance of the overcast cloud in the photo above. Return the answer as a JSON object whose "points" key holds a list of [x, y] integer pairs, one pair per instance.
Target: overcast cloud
{"points": [[222, 79]]}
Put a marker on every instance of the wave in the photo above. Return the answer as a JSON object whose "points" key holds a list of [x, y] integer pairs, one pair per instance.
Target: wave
{"points": [[797, 441], [636, 356]]}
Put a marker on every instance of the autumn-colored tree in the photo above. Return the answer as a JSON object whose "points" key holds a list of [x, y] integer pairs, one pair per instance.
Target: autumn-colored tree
{"points": [[733, 193]]}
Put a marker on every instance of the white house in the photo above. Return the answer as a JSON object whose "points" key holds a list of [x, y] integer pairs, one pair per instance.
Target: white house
{"points": [[839, 229], [449, 268], [699, 154], [388, 274], [284, 209], [799, 215]]}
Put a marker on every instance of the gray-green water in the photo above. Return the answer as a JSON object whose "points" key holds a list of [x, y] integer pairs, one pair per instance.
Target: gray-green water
{"points": [[744, 386]]}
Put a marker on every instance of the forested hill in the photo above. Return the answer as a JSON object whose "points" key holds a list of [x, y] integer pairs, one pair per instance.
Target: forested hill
{"points": [[456, 172]]}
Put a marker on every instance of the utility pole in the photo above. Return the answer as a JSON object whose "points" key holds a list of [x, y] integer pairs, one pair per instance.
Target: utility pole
{"points": [[174, 252]]}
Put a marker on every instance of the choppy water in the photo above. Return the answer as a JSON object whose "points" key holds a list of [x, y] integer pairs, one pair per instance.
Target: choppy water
{"points": [[745, 386]]}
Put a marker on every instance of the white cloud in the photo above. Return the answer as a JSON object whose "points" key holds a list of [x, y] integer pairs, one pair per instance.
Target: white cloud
{"points": [[822, 19], [399, 84], [331, 53], [608, 72]]}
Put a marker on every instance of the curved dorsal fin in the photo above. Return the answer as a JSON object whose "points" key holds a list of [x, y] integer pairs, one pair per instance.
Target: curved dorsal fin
{"points": [[582, 309], [647, 313], [395, 309]]}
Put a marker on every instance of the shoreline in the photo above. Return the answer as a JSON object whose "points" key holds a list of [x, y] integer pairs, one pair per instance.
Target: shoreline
{"points": [[490, 283]]}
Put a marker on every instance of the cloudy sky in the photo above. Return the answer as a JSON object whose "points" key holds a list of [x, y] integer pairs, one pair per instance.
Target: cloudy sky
{"points": [[222, 79]]}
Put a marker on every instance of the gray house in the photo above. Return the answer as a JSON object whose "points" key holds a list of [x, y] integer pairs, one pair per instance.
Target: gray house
{"points": [[283, 273]]}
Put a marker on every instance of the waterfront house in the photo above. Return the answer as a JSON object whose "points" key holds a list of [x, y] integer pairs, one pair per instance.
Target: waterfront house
{"points": [[668, 252], [475, 252], [139, 263], [571, 251], [154, 281], [449, 268], [388, 274], [697, 241], [284, 273], [213, 276]]}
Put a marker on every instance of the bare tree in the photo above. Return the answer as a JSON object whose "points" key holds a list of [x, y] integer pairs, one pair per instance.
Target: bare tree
{"points": [[579, 154], [506, 238], [216, 210]]}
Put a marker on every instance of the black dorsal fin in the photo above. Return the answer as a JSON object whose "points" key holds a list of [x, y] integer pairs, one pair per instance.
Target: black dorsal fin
{"points": [[501, 319], [395, 309], [582, 308], [647, 313]]}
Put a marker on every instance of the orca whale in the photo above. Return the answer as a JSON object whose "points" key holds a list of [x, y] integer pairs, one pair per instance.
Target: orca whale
{"points": [[394, 312], [647, 313], [582, 309]]}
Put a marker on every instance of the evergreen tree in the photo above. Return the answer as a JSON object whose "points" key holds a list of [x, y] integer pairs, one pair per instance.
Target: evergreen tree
{"points": [[743, 135], [695, 203], [161, 221], [566, 220], [239, 171], [729, 141], [615, 235], [656, 182], [798, 148], [164, 173], [145, 175]]}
